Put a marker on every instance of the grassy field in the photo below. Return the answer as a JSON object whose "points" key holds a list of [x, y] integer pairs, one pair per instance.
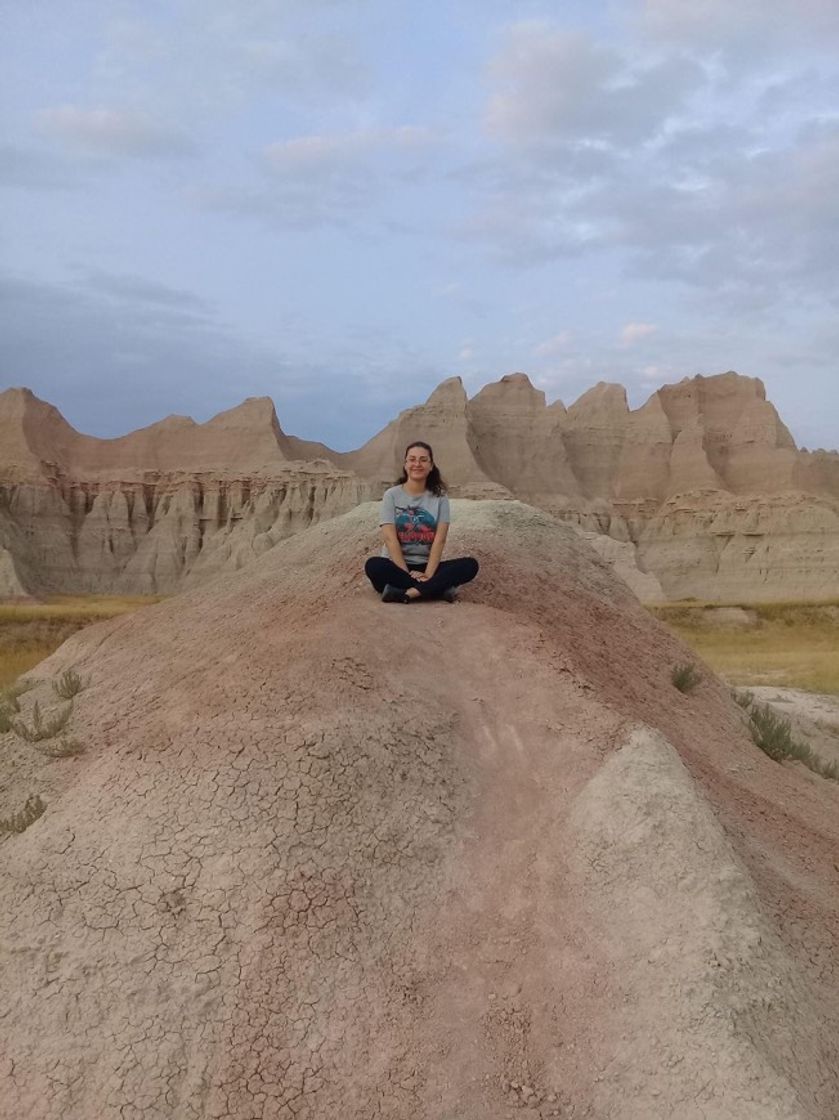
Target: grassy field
{"points": [[791, 645], [29, 632]]}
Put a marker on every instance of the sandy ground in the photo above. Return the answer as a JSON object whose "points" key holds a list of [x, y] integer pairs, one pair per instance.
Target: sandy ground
{"points": [[326, 857]]}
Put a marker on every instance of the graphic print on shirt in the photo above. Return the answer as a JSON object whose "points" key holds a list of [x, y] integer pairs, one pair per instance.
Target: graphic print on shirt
{"points": [[414, 525]]}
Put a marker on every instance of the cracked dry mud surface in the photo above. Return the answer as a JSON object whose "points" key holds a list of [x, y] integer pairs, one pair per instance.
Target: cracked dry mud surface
{"points": [[330, 858]]}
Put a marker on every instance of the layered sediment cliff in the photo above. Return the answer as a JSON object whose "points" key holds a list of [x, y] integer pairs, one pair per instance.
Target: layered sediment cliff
{"points": [[704, 482], [703, 488], [155, 510]]}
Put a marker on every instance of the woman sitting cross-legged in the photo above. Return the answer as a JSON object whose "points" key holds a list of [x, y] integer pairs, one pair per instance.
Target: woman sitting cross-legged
{"points": [[415, 521]]}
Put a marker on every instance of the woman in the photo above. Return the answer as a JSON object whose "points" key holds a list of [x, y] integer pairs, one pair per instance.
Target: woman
{"points": [[415, 522]]}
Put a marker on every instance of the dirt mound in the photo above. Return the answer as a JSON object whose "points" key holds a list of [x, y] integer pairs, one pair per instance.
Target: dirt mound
{"points": [[329, 858]]}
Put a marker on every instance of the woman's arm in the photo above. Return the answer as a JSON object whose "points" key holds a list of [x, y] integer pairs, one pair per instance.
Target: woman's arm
{"points": [[394, 548], [437, 547]]}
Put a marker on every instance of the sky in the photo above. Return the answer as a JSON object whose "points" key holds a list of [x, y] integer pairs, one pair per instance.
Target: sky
{"points": [[340, 203]]}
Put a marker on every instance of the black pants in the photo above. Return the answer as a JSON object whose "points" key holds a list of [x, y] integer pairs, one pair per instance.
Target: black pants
{"points": [[450, 573]]}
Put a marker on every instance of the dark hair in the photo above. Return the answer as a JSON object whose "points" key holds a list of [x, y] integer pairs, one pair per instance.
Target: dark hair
{"points": [[434, 482]]}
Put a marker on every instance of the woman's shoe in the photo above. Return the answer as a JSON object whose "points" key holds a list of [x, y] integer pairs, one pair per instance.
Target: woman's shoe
{"points": [[450, 595], [393, 594]]}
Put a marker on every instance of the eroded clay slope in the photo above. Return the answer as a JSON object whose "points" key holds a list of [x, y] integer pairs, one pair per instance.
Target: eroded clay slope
{"points": [[326, 857]]}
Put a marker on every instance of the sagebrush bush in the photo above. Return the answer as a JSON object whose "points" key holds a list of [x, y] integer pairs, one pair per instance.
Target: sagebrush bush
{"points": [[41, 730], [685, 677], [68, 685], [773, 734]]}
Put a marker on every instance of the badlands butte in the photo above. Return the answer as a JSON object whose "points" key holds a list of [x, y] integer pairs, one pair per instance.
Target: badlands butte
{"points": [[700, 493]]}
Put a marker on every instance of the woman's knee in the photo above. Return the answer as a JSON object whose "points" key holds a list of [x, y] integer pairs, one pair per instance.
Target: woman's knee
{"points": [[373, 566], [470, 566]]}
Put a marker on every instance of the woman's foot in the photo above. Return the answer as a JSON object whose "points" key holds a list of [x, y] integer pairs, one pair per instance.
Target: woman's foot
{"points": [[393, 594]]}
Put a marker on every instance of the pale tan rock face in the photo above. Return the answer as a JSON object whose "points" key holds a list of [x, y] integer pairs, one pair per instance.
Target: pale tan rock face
{"points": [[721, 547], [745, 443], [152, 537], [594, 432], [246, 439], [441, 422], [517, 440]]}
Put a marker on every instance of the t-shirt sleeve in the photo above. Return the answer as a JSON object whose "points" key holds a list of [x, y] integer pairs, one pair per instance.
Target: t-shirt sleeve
{"points": [[444, 516], [388, 514]]}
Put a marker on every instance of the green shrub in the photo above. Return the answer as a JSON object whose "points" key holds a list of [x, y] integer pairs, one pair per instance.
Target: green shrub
{"points": [[685, 677], [20, 821]]}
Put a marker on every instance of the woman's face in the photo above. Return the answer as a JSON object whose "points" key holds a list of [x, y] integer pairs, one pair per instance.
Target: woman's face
{"points": [[418, 464]]}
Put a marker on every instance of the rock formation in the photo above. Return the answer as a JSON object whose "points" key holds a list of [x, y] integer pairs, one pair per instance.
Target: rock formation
{"points": [[155, 510], [703, 484], [320, 861]]}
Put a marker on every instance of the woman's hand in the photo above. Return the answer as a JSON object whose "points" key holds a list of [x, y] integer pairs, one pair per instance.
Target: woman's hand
{"points": [[421, 576]]}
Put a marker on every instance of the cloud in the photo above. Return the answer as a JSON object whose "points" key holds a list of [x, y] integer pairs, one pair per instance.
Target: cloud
{"points": [[555, 86], [633, 154], [209, 57], [756, 227], [30, 168], [314, 68], [552, 347], [635, 332], [113, 132], [716, 24], [312, 157], [140, 291], [327, 179]]}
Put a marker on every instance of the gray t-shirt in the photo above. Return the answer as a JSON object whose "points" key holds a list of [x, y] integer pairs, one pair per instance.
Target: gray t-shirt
{"points": [[416, 517]]}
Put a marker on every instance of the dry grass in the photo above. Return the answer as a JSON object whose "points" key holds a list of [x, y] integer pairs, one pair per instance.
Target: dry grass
{"points": [[29, 632], [789, 645], [66, 608]]}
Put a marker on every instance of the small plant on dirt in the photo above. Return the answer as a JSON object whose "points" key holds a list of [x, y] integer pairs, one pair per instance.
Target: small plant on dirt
{"points": [[5, 721], [40, 729], [20, 821], [773, 734], [685, 677], [64, 748], [68, 685]]}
